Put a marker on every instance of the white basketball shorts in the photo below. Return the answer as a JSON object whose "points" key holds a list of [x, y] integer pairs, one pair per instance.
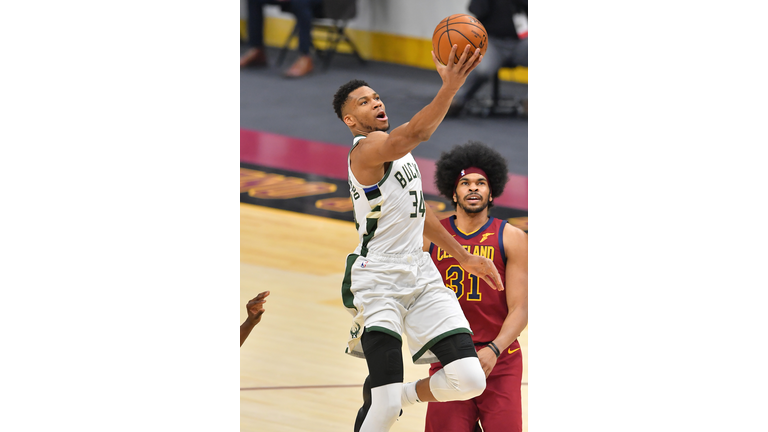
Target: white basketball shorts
{"points": [[400, 295]]}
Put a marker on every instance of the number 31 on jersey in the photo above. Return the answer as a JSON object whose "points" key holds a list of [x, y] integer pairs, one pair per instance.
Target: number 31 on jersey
{"points": [[454, 279]]}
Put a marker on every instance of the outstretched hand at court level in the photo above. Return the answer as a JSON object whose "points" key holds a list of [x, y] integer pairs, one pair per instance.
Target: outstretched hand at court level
{"points": [[255, 307], [484, 268]]}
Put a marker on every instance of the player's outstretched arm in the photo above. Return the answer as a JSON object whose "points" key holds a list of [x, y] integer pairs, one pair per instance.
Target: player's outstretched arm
{"points": [[380, 147], [425, 122], [255, 308], [479, 266]]}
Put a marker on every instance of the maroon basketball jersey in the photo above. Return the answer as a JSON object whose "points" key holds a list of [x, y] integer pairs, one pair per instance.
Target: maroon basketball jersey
{"points": [[485, 308]]}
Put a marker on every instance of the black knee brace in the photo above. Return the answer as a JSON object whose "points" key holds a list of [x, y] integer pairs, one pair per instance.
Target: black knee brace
{"points": [[454, 347], [384, 354]]}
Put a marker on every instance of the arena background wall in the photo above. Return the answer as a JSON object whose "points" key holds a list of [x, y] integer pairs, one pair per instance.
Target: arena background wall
{"points": [[395, 31]]}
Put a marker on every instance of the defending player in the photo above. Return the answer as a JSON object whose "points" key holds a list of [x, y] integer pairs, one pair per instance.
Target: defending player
{"points": [[391, 286], [470, 175]]}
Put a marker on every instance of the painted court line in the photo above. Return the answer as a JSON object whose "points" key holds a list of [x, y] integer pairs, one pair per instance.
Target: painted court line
{"points": [[310, 387], [301, 387]]}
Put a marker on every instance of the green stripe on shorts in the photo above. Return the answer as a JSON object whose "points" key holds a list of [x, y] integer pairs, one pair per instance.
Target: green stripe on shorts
{"points": [[346, 286]]}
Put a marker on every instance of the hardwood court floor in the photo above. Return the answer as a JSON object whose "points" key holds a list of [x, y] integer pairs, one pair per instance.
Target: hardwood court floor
{"points": [[294, 375]]}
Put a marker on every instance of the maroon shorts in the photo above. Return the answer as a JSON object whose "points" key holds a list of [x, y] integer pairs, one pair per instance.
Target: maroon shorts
{"points": [[499, 408]]}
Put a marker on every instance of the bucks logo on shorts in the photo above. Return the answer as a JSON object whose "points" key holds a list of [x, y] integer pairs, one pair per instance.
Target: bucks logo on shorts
{"points": [[354, 331]]}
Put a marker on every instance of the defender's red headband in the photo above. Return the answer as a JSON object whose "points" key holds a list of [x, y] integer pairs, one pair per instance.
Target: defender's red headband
{"points": [[470, 170]]}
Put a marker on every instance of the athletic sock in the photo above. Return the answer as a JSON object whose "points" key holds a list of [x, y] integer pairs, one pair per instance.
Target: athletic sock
{"points": [[410, 396]]}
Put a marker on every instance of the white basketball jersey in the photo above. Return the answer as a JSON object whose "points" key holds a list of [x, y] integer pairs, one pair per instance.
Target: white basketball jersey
{"points": [[389, 215]]}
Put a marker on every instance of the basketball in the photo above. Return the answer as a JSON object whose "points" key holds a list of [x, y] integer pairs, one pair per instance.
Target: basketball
{"points": [[461, 30]]}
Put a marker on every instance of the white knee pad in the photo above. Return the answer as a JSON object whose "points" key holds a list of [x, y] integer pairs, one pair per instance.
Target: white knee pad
{"points": [[461, 379], [385, 408]]}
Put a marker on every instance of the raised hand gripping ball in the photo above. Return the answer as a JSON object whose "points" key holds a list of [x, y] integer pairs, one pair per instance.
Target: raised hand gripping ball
{"points": [[461, 30]]}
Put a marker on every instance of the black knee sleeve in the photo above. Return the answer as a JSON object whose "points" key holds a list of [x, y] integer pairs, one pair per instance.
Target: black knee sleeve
{"points": [[384, 354], [454, 347]]}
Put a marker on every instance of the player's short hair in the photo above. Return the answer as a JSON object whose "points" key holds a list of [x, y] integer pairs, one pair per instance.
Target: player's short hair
{"points": [[343, 93], [471, 154]]}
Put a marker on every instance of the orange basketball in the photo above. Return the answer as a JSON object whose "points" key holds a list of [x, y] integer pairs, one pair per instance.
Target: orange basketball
{"points": [[461, 30]]}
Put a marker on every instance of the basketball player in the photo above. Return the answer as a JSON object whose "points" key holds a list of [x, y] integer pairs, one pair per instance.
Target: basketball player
{"points": [[391, 286], [470, 176], [255, 308]]}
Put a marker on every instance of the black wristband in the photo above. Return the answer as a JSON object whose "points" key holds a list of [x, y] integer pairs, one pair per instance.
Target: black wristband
{"points": [[494, 348]]}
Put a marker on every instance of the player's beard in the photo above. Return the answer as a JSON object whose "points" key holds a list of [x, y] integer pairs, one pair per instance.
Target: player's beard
{"points": [[376, 126], [477, 209], [379, 128]]}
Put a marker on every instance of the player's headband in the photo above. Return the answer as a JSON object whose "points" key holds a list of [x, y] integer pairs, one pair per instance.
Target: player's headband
{"points": [[470, 170]]}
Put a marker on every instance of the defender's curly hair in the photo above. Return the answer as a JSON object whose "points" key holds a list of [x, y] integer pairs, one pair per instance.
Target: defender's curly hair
{"points": [[471, 154], [343, 93]]}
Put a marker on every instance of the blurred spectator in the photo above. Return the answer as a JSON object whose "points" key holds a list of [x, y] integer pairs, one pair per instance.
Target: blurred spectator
{"points": [[256, 55], [506, 22]]}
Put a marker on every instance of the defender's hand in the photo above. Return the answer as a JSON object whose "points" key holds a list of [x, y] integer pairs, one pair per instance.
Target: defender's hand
{"points": [[255, 307]]}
